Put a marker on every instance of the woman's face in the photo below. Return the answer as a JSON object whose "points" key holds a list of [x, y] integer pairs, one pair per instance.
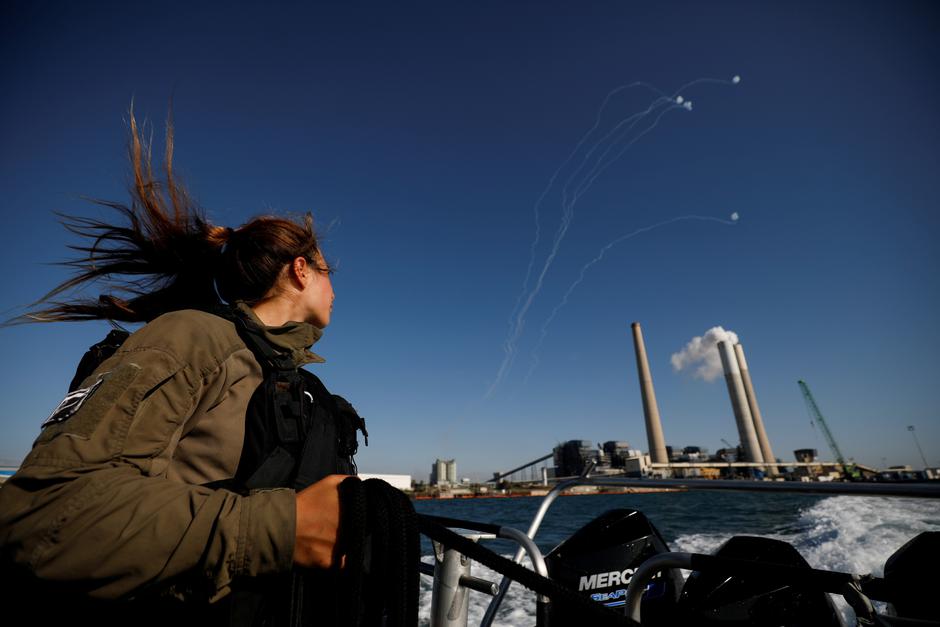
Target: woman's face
{"points": [[317, 295]]}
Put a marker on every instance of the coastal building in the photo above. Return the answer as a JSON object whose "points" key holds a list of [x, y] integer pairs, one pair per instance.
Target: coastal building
{"points": [[444, 471], [572, 456], [438, 471], [637, 466], [728, 455], [616, 451], [805, 455]]}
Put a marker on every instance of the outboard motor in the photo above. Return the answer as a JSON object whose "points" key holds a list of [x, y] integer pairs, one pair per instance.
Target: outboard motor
{"points": [[712, 599], [598, 561], [910, 574]]}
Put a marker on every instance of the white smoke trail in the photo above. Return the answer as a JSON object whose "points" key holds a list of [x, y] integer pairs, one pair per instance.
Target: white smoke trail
{"points": [[633, 120], [702, 352], [551, 182], [517, 316], [527, 296], [517, 324], [600, 255], [676, 100]]}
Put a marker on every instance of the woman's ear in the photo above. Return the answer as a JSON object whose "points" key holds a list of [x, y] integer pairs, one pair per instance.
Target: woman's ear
{"points": [[300, 271]]}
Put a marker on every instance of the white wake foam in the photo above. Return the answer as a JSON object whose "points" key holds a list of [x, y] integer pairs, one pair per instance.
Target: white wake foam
{"points": [[844, 533]]}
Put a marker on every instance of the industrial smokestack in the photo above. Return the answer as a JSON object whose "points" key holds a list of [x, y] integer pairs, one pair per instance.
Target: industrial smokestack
{"points": [[742, 414], [654, 429], [762, 438]]}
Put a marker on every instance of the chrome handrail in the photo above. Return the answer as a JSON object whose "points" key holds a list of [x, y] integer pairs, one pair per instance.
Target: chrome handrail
{"points": [[533, 529], [458, 576]]}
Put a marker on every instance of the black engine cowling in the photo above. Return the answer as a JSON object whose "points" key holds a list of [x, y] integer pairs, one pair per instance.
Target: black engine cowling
{"points": [[599, 560], [711, 598]]}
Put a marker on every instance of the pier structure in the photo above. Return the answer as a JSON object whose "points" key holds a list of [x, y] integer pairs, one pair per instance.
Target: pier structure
{"points": [[532, 466]]}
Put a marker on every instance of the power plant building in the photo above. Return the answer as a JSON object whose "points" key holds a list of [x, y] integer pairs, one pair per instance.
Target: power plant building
{"points": [[572, 456], [805, 455], [617, 452], [444, 471]]}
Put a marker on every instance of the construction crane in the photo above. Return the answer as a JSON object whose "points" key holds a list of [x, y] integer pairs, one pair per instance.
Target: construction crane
{"points": [[816, 415]]}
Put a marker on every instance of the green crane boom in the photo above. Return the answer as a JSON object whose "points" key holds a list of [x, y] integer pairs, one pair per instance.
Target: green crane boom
{"points": [[817, 416]]}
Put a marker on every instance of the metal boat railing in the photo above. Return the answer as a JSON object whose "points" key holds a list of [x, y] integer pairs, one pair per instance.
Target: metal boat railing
{"points": [[452, 578], [449, 603]]}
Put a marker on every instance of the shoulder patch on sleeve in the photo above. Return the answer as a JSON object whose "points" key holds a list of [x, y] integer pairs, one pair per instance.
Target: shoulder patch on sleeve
{"points": [[72, 402], [80, 412]]}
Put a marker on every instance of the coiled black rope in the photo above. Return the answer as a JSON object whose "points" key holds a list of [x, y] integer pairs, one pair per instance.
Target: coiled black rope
{"points": [[381, 543]]}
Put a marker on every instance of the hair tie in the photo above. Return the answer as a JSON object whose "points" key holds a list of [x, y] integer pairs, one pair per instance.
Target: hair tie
{"points": [[229, 232]]}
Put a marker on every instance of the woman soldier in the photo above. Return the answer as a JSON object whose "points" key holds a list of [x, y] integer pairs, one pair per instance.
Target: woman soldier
{"points": [[117, 498]]}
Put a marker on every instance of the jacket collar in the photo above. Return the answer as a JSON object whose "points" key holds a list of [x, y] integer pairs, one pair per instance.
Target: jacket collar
{"points": [[296, 338]]}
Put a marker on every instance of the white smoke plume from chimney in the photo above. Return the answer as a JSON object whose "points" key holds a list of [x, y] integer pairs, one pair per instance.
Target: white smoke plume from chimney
{"points": [[702, 353]]}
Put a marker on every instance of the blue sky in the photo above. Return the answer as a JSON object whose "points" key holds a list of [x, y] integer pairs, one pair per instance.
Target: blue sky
{"points": [[421, 136]]}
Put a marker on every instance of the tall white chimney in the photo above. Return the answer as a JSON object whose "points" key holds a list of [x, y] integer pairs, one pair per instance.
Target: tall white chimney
{"points": [[654, 429], [762, 438], [742, 414]]}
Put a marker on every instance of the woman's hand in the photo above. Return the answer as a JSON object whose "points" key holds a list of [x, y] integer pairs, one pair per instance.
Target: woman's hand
{"points": [[318, 524]]}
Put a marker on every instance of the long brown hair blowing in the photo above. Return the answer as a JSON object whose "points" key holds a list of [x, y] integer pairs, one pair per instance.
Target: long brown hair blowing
{"points": [[168, 256]]}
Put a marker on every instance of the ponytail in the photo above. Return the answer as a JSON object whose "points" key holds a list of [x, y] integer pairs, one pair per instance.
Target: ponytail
{"points": [[167, 256]]}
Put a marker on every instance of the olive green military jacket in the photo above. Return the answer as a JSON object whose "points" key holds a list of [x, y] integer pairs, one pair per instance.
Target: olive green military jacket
{"points": [[110, 497]]}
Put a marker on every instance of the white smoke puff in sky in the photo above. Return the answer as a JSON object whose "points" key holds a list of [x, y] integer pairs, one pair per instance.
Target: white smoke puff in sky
{"points": [[736, 79], [679, 99], [701, 352], [735, 216]]}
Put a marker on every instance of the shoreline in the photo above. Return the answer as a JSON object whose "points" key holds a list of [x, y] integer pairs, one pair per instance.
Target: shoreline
{"points": [[541, 494]]}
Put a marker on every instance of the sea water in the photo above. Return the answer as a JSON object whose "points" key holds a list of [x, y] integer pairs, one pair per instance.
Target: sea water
{"points": [[844, 533]]}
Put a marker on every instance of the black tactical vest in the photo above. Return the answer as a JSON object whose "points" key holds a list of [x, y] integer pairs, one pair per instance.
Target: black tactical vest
{"points": [[296, 432]]}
